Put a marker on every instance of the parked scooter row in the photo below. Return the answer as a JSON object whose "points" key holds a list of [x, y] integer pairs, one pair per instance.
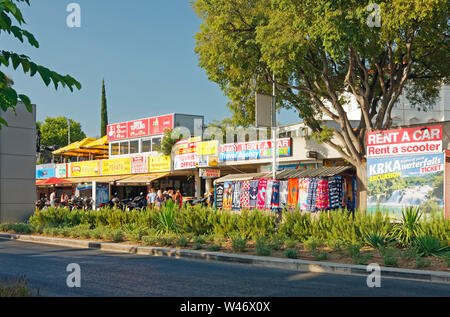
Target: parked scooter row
{"points": [[75, 203], [138, 202]]}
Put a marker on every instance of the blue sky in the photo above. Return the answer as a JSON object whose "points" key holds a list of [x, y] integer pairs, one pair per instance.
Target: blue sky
{"points": [[143, 48]]}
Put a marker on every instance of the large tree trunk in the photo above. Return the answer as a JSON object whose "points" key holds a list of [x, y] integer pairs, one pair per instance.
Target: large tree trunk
{"points": [[361, 183]]}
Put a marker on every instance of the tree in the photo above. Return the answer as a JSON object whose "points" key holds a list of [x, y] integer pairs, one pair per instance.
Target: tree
{"points": [[168, 141], [9, 15], [104, 113], [322, 52], [54, 132]]}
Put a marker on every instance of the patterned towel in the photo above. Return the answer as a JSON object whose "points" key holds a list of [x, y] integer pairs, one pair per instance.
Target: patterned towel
{"points": [[245, 194], [262, 186], [253, 194], [276, 195], [293, 193], [219, 196], [236, 196], [323, 197], [227, 195], [284, 189], [303, 193], [268, 199]]}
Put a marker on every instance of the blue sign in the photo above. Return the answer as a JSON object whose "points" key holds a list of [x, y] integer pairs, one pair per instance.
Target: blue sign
{"points": [[45, 173]]}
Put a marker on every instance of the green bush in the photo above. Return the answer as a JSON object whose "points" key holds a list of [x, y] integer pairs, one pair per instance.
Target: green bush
{"points": [[335, 244], [322, 256], [291, 253], [182, 242], [409, 227], [277, 241], [410, 253], [390, 256], [377, 241], [213, 248], [428, 245], [263, 246], [238, 243], [421, 262], [196, 220], [254, 224], [16, 227], [197, 246], [291, 243], [199, 240], [313, 243], [354, 251]]}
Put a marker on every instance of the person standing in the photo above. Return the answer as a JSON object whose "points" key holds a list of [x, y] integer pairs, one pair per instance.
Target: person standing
{"points": [[53, 198], [160, 199], [210, 198], [178, 199], [151, 198]]}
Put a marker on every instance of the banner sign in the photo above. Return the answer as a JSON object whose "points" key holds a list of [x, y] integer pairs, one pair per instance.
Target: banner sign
{"points": [[101, 193], [253, 150], [116, 166], [185, 161], [139, 164], [85, 168], [45, 171], [61, 170], [420, 140], [140, 128], [209, 173], [410, 180], [159, 163]]}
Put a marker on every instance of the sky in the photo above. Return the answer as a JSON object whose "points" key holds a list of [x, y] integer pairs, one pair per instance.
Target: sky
{"points": [[144, 49]]}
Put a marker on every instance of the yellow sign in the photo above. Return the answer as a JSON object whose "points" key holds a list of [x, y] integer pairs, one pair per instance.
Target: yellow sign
{"points": [[207, 147], [159, 163], [116, 166], [87, 168]]}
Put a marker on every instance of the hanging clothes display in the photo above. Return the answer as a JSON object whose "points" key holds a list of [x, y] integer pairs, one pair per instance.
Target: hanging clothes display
{"points": [[335, 191], [262, 186], [253, 193], [284, 189], [276, 195], [236, 204], [245, 194], [323, 197], [312, 192], [293, 193], [219, 196], [303, 193], [227, 195], [268, 199]]}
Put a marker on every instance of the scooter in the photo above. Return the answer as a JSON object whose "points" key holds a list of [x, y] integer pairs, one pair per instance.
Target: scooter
{"points": [[138, 202], [196, 201]]}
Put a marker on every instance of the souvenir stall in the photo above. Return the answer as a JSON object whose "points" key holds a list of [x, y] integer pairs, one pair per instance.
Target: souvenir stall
{"points": [[312, 190]]}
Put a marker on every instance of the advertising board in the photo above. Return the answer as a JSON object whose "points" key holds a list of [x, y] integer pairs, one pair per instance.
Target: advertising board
{"points": [[253, 150]]}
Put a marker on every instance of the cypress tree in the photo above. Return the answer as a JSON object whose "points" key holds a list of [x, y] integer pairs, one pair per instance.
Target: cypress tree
{"points": [[104, 112]]}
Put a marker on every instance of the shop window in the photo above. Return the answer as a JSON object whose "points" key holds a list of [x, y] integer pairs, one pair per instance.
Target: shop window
{"points": [[156, 143], [114, 148], [124, 148], [134, 147], [146, 145]]}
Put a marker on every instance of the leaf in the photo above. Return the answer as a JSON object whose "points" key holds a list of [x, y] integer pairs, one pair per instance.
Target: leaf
{"points": [[45, 74], [27, 102], [3, 122]]}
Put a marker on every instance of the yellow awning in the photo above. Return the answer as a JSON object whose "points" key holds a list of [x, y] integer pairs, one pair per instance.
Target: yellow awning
{"points": [[101, 143], [100, 179], [141, 178], [73, 146]]}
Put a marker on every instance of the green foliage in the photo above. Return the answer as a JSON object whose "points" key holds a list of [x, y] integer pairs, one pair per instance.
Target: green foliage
{"points": [[291, 253], [182, 242], [16, 227], [428, 245], [169, 139], [335, 244], [410, 227], [213, 248], [421, 262], [313, 243], [322, 256], [17, 287], [104, 113], [166, 219], [197, 246], [291, 243], [238, 242], [390, 256], [410, 253], [54, 131], [377, 241], [354, 251], [11, 22], [263, 246], [199, 240], [196, 220], [253, 224]]}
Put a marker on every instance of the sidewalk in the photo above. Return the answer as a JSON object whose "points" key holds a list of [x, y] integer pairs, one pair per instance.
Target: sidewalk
{"points": [[270, 262]]}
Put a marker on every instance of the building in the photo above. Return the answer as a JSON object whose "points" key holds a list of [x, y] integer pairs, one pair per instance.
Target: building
{"points": [[17, 164]]}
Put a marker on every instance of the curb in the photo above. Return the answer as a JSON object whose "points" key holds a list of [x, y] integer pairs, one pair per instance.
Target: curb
{"points": [[269, 262]]}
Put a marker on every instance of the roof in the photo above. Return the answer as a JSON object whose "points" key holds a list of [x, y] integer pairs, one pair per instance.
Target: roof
{"points": [[141, 178], [100, 179], [287, 173]]}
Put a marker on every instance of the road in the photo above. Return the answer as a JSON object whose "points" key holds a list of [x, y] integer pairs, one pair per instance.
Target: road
{"points": [[117, 274]]}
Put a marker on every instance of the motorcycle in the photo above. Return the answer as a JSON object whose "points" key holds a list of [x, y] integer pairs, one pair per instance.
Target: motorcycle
{"points": [[87, 203], [76, 203], [196, 201], [138, 202], [42, 203]]}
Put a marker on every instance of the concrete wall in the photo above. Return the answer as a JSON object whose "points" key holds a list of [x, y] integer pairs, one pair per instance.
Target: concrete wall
{"points": [[447, 184], [17, 165]]}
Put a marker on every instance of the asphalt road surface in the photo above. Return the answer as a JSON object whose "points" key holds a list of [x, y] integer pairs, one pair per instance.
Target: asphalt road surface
{"points": [[117, 274]]}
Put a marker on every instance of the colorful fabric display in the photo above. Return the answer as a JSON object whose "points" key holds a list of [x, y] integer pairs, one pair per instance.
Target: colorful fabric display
{"points": [[236, 205], [335, 191], [245, 194], [227, 195], [303, 193], [262, 186], [284, 189], [276, 195], [293, 193], [312, 193], [323, 198], [253, 193], [219, 196], [268, 198]]}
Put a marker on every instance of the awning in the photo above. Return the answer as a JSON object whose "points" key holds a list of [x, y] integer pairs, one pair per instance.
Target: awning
{"points": [[287, 173], [100, 144], [99, 179], [141, 178], [51, 181]]}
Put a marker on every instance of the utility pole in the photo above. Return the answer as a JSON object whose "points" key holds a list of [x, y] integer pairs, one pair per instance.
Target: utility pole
{"points": [[274, 133], [68, 131]]}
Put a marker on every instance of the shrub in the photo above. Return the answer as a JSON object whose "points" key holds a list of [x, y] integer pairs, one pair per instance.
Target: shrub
{"points": [[447, 258], [182, 242], [16, 227], [296, 225], [409, 227], [277, 241], [335, 244], [166, 219], [428, 245], [213, 248], [196, 220], [197, 246], [313, 243], [410, 253], [17, 287], [150, 240], [354, 251], [166, 240], [390, 256], [291, 243], [254, 224], [291, 253], [117, 235], [377, 241], [322, 256], [263, 246], [421, 262], [238, 243]]}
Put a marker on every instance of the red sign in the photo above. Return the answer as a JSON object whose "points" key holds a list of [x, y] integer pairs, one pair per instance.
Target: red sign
{"points": [[418, 140], [139, 164], [138, 128], [117, 131], [159, 124]]}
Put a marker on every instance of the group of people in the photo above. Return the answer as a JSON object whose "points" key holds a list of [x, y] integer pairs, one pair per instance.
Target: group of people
{"points": [[155, 199]]}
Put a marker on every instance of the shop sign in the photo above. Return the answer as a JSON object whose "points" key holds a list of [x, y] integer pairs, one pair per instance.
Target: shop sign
{"points": [[253, 150], [117, 131], [207, 148], [187, 146], [185, 161], [209, 173], [85, 168], [158, 125], [101, 193], [139, 164], [420, 140], [159, 163], [409, 180], [45, 171], [61, 170], [138, 128], [116, 166]]}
